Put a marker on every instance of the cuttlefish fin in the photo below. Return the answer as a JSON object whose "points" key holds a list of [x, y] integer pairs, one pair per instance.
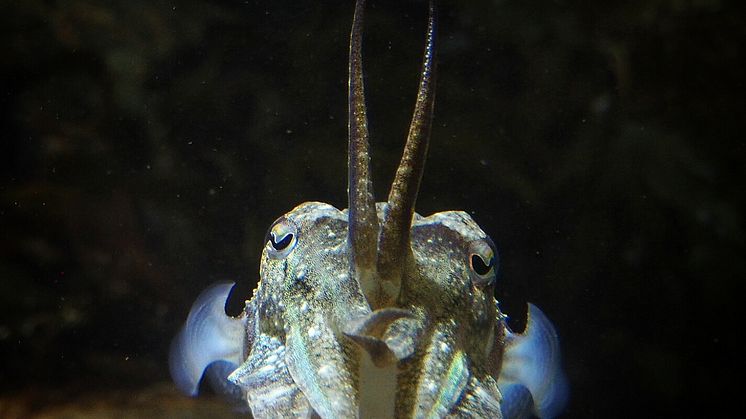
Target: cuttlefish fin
{"points": [[532, 360], [207, 337], [517, 402]]}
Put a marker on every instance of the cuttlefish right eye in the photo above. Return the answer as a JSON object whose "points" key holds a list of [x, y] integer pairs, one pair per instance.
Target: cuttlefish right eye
{"points": [[483, 262], [281, 238]]}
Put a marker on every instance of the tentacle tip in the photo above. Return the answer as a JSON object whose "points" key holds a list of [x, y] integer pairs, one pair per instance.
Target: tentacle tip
{"points": [[379, 352]]}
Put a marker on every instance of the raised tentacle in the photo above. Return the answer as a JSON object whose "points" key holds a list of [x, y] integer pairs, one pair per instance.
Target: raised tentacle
{"points": [[362, 233], [394, 242]]}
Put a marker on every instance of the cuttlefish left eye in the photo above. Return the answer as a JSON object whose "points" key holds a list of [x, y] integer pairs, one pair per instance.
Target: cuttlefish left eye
{"points": [[483, 261], [281, 238]]}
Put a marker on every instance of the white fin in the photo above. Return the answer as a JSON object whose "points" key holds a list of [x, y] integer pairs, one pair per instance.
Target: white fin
{"points": [[532, 359], [208, 335], [517, 402]]}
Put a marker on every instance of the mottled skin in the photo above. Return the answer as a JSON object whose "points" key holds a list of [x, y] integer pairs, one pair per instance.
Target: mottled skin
{"points": [[306, 301], [375, 311]]}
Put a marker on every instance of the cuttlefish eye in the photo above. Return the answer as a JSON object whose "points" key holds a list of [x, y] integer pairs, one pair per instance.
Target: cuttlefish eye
{"points": [[281, 238], [483, 262]]}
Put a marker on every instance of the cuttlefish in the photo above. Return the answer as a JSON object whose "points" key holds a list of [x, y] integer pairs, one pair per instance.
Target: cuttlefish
{"points": [[374, 311]]}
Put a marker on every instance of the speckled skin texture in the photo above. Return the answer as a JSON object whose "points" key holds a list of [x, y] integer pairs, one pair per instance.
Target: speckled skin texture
{"points": [[306, 301]]}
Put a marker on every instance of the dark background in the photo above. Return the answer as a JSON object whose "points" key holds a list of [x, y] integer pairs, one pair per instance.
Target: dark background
{"points": [[147, 146]]}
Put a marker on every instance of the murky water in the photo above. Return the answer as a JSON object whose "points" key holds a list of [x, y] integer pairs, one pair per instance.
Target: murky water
{"points": [[147, 147]]}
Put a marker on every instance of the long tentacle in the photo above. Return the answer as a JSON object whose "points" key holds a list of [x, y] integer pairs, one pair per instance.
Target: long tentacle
{"points": [[394, 246], [362, 233]]}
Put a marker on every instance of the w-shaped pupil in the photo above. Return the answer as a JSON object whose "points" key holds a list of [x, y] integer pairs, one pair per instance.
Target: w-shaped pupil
{"points": [[480, 267], [283, 243]]}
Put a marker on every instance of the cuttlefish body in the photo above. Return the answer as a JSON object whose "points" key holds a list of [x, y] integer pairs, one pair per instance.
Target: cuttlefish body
{"points": [[374, 311]]}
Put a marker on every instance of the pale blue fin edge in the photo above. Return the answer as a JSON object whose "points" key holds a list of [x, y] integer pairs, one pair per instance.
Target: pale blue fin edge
{"points": [[209, 335], [517, 402], [532, 360]]}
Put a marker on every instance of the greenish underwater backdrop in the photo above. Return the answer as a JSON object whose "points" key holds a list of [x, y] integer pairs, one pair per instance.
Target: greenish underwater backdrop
{"points": [[146, 146]]}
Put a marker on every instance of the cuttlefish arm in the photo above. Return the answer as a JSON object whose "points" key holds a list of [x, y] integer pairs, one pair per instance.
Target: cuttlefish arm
{"points": [[267, 383], [209, 338], [531, 376], [448, 384]]}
